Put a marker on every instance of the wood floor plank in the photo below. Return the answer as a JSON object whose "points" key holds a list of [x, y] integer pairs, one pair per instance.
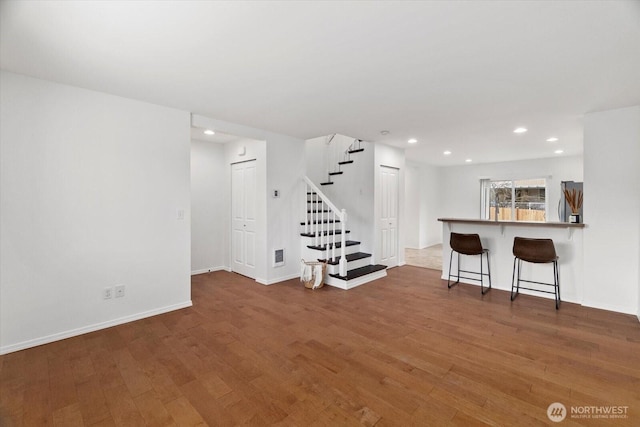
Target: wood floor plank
{"points": [[153, 410], [401, 351], [68, 416], [122, 407], [184, 413]]}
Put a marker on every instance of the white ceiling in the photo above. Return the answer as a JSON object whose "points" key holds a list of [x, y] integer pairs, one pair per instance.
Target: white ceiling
{"points": [[198, 134], [457, 76]]}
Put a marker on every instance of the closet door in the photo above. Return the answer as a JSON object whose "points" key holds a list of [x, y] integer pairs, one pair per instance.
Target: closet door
{"points": [[243, 218], [388, 221]]}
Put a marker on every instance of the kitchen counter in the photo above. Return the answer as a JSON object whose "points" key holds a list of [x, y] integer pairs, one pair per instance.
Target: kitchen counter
{"points": [[519, 223], [497, 236]]}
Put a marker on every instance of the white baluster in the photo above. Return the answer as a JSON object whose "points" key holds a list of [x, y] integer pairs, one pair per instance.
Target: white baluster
{"points": [[315, 208], [343, 243], [306, 207], [333, 247]]}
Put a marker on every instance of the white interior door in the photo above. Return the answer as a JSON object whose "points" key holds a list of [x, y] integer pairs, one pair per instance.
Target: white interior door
{"points": [[388, 221], [243, 218]]}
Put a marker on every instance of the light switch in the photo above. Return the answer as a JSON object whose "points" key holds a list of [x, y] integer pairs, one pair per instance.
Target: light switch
{"points": [[180, 214]]}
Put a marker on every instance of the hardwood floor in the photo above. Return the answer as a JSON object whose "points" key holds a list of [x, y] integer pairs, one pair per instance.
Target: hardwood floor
{"points": [[400, 351]]}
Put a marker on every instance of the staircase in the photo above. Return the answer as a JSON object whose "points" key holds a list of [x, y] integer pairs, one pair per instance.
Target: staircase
{"points": [[325, 238], [341, 158]]}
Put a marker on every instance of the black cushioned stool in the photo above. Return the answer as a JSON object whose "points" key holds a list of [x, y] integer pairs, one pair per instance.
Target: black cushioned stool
{"points": [[537, 251], [468, 244]]}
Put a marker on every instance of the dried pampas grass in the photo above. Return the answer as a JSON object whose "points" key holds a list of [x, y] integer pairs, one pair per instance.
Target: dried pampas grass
{"points": [[574, 199]]}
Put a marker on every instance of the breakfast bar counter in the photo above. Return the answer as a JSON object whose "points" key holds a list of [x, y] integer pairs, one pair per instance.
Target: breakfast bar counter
{"points": [[497, 236]]}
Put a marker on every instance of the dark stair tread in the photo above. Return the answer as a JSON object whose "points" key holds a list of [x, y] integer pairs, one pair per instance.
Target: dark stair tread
{"points": [[359, 150], [325, 233], [326, 183], [318, 210], [315, 201], [346, 162], [335, 173], [350, 257], [359, 272], [326, 221], [330, 245]]}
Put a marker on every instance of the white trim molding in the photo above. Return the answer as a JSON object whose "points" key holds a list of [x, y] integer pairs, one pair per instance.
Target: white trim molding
{"points": [[91, 328]]}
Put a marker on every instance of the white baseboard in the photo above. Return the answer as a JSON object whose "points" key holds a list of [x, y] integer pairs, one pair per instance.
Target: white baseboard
{"points": [[91, 328], [210, 270], [609, 307], [277, 280]]}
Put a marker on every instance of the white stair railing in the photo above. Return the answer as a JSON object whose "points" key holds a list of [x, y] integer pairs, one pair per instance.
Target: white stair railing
{"points": [[316, 202], [337, 150]]}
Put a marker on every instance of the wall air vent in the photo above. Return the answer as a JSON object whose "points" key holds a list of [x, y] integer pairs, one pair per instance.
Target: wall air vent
{"points": [[278, 257]]}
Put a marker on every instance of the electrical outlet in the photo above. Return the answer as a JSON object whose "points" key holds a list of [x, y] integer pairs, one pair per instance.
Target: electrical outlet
{"points": [[119, 291], [107, 293]]}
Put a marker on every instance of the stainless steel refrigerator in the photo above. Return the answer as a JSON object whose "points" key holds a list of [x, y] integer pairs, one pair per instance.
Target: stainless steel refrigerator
{"points": [[563, 207]]}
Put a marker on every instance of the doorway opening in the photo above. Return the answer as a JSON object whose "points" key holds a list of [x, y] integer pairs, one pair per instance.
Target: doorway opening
{"points": [[429, 257], [216, 241]]}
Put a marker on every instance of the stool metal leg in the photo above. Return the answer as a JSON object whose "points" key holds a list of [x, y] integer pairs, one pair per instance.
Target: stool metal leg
{"points": [[488, 269], [481, 277], [513, 279], [556, 283], [449, 284], [482, 290]]}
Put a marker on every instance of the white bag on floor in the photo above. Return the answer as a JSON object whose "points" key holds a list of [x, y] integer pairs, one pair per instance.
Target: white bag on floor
{"points": [[312, 274]]}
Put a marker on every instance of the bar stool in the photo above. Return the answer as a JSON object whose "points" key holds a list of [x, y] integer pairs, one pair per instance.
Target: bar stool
{"points": [[468, 244], [537, 251]]}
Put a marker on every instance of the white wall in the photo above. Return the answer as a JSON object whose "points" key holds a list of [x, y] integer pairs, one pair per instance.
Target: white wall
{"points": [[285, 158], [281, 164], [91, 185], [430, 206], [392, 157], [413, 205], [422, 195], [209, 207], [612, 209], [460, 197]]}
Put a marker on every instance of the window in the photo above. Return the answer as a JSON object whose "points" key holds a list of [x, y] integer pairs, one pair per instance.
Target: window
{"points": [[514, 200]]}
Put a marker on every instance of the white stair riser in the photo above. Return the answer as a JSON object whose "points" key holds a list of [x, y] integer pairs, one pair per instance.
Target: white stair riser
{"points": [[335, 269], [320, 216], [332, 281], [313, 255], [306, 240], [323, 226]]}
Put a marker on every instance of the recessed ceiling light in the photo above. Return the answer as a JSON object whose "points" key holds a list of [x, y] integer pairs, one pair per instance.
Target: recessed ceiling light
{"points": [[412, 141], [209, 132], [447, 153], [559, 151], [520, 130], [468, 160], [384, 132], [552, 139]]}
